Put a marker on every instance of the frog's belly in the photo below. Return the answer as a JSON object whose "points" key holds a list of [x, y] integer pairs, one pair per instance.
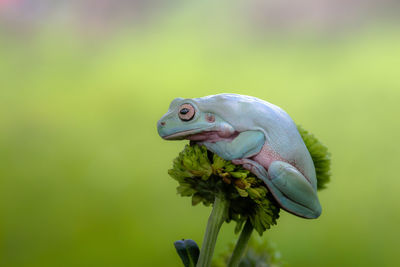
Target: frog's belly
{"points": [[266, 156]]}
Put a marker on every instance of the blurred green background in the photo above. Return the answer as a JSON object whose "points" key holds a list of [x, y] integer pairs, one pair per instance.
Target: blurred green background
{"points": [[83, 173]]}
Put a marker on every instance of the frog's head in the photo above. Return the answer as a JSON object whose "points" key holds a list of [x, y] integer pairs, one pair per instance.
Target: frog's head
{"points": [[185, 119]]}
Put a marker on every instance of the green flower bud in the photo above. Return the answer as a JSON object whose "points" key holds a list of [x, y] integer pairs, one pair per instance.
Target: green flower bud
{"points": [[238, 174], [202, 178]]}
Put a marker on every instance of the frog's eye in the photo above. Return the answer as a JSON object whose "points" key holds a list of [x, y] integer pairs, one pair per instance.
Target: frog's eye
{"points": [[186, 112]]}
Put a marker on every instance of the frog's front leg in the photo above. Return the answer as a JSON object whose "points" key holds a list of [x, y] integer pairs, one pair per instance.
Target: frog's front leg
{"points": [[246, 144], [289, 187]]}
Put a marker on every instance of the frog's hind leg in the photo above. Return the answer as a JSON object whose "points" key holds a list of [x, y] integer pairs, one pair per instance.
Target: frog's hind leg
{"points": [[288, 186], [297, 194]]}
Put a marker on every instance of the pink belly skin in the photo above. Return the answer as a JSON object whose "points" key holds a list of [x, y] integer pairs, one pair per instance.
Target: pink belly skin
{"points": [[266, 156]]}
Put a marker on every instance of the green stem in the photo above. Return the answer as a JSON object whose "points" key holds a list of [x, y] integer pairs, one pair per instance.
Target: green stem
{"points": [[215, 221], [241, 245]]}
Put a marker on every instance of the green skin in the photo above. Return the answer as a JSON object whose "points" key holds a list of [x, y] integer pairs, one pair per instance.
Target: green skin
{"points": [[254, 133]]}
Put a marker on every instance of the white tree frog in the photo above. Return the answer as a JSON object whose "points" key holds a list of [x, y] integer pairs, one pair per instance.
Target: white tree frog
{"points": [[254, 133]]}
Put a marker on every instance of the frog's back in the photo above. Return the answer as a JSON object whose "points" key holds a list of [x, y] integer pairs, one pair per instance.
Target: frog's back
{"points": [[250, 113]]}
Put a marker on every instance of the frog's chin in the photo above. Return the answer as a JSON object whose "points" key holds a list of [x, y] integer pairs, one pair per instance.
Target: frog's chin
{"points": [[183, 134]]}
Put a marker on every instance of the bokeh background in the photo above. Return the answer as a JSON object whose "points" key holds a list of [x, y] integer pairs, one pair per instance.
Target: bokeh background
{"points": [[83, 173]]}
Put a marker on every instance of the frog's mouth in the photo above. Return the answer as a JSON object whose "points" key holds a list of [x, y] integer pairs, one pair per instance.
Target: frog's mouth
{"points": [[198, 134], [183, 134]]}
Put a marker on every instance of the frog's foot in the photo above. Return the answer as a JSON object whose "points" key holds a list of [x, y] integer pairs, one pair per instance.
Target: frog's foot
{"points": [[288, 186], [297, 194]]}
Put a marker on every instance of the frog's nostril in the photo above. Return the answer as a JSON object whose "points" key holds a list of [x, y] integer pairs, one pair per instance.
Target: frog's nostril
{"points": [[162, 123]]}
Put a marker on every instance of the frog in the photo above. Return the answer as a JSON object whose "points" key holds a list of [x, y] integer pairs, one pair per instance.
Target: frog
{"points": [[255, 134]]}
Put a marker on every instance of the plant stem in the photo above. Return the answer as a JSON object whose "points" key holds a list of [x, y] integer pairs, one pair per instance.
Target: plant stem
{"points": [[241, 245], [215, 221]]}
